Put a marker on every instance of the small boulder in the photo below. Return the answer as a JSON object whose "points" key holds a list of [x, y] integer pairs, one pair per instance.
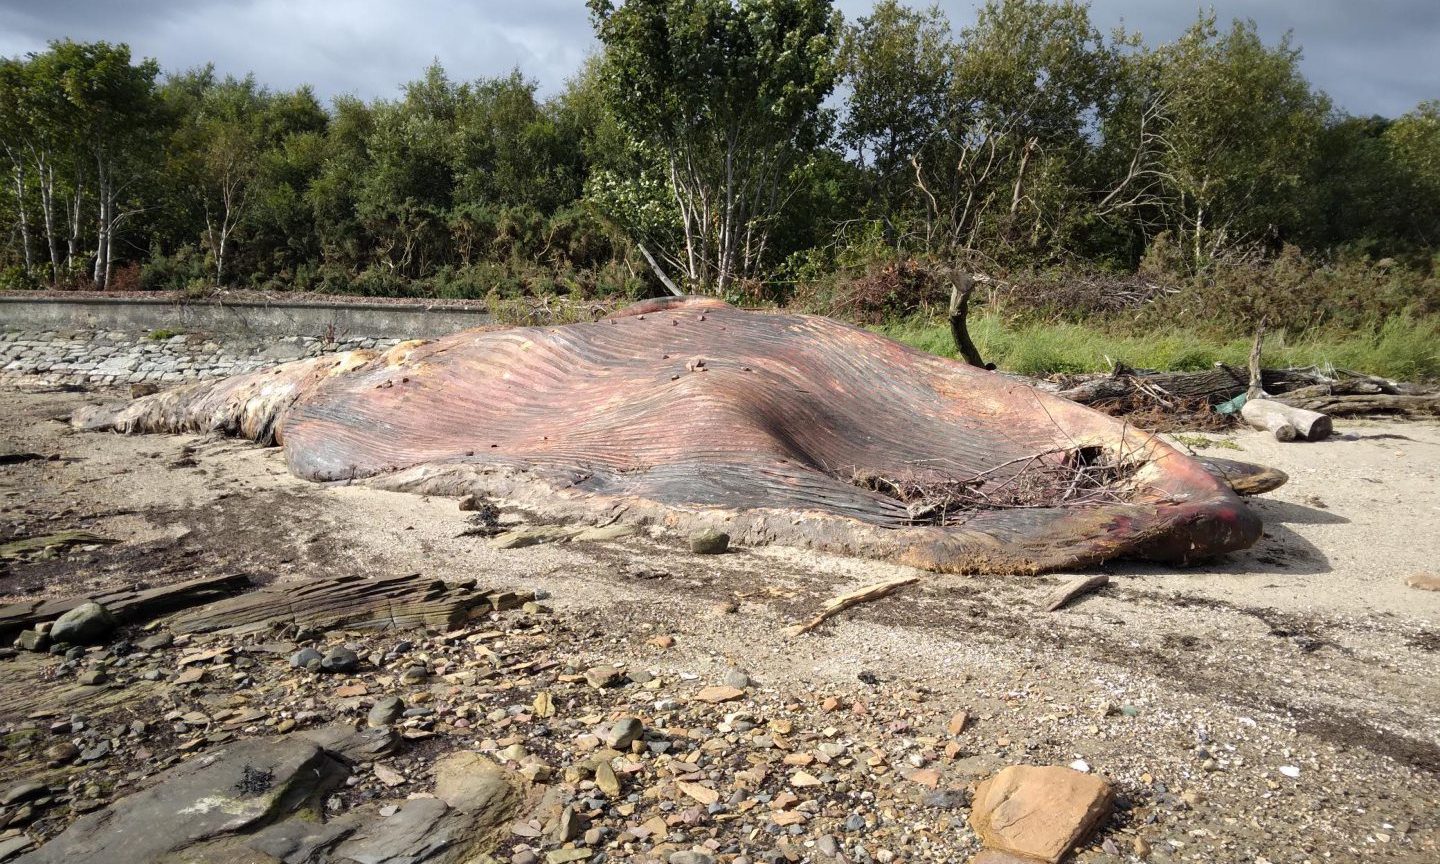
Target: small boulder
{"points": [[86, 624], [624, 733], [1006, 805], [32, 640], [340, 661], [306, 658], [602, 676], [385, 711], [709, 542], [737, 678]]}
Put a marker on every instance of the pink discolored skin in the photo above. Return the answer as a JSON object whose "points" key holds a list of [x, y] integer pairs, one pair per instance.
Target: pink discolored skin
{"points": [[692, 413]]}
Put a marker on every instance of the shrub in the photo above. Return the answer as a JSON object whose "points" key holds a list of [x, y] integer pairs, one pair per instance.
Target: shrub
{"points": [[175, 272]]}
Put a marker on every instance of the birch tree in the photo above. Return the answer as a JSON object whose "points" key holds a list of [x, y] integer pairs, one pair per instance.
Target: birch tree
{"points": [[728, 94]]}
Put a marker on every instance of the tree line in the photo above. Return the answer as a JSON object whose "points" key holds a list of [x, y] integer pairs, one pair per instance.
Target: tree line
{"points": [[736, 147]]}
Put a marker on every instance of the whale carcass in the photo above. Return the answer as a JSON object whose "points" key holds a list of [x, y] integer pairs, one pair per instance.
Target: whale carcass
{"points": [[777, 428]]}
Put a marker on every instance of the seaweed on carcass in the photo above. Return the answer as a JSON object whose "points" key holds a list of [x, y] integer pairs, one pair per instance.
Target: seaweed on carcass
{"points": [[777, 428]]}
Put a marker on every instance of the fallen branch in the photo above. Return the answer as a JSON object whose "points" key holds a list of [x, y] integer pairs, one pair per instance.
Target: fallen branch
{"points": [[1216, 385], [1067, 593], [854, 598], [659, 273]]}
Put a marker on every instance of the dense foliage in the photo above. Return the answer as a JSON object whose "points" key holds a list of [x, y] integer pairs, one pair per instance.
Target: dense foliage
{"points": [[763, 149]]}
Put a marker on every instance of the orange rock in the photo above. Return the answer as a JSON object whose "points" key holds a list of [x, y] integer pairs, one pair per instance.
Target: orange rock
{"points": [[661, 641], [1424, 581], [926, 777], [992, 856], [722, 693], [1039, 811], [958, 722]]}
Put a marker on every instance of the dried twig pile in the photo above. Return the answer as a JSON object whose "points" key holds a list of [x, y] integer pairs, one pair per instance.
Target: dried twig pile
{"points": [[1068, 477]]}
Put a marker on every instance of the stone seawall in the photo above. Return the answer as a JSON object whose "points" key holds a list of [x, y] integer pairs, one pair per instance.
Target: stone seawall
{"points": [[117, 357], [256, 318]]}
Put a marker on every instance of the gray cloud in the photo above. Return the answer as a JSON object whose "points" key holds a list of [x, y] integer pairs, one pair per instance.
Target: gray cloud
{"points": [[1377, 57]]}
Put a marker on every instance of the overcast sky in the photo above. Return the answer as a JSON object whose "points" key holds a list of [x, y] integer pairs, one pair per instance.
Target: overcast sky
{"points": [[1371, 56]]}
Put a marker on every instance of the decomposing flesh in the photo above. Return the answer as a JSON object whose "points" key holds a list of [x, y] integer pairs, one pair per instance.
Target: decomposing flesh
{"points": [[779, 428]]}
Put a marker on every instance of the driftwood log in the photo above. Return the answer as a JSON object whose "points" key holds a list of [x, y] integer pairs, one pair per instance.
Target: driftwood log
{"points": [[1341, 404], [1217, 385], [1267, 416], [389, 603], [128, 606], [1286, 421], [1342, 394]]}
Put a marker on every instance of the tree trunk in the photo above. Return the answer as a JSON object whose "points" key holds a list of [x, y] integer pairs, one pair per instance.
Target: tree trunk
{"points": [[72, 246], [47, 212], [960, 290], [24, 218], [100, 276]]}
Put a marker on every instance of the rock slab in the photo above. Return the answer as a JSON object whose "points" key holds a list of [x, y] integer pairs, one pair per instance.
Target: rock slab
{"points": [[221, 793], [1039, 811]]}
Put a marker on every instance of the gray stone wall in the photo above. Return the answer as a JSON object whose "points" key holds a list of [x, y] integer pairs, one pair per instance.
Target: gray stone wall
{"points": [[256, 320], [116, 357]]}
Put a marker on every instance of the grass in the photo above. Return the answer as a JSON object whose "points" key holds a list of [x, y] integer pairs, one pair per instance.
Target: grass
{"points": [[1403, 349]]}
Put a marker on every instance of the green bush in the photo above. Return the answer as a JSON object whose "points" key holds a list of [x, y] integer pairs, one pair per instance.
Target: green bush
{"points": [[176, 272]]}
